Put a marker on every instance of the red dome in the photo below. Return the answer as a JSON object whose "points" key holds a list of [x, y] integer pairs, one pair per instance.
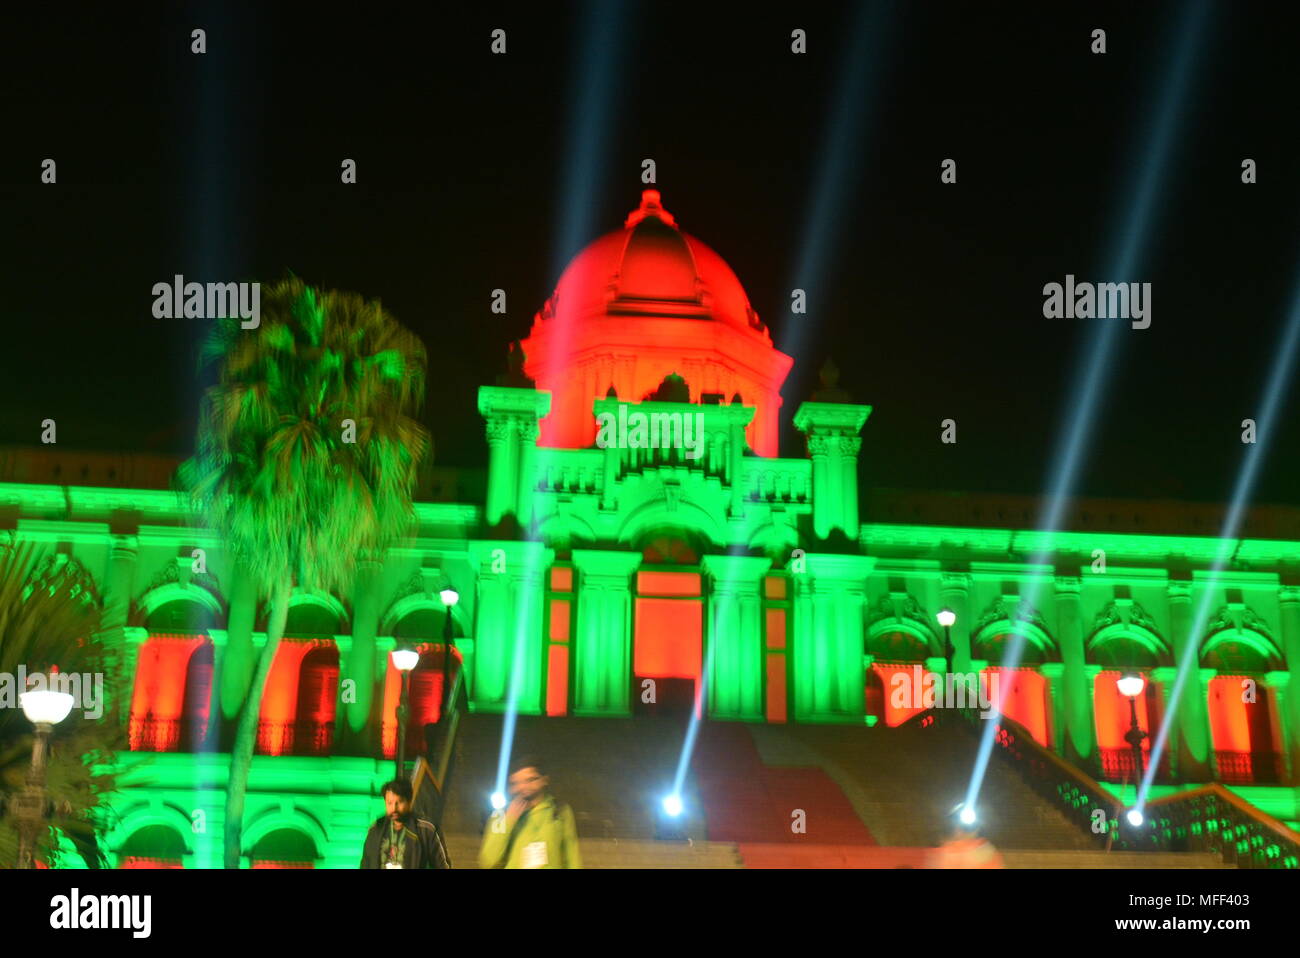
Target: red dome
{"points": [[641, 304], [651, 267]]}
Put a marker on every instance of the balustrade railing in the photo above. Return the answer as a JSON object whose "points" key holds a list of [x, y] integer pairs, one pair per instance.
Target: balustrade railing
{"points": [[150, 734], [1117, 764], [1249, 768], [1208, 819], [295, 738]]}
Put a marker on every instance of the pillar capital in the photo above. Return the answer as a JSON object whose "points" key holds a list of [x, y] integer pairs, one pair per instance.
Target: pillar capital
{"points": [[520, 558], [606, 566], [1180, 590], [511, 402], [735, 573], [831, 418], [828, 570]]}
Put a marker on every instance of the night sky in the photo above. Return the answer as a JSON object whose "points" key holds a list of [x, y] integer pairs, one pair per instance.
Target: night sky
{"points": [[226, 166]]}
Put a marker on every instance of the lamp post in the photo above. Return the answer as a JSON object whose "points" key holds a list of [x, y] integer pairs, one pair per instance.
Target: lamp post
{"points": [[405, 658], [947, 618], [1131, 685], [449, 598], [44, 709]]}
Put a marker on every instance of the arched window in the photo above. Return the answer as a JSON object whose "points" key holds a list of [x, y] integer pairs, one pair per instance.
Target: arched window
{"points": [[197, 710], [168, 694], [668, 627], [1239, 706], [283, 848], [318, 687], [896, 645], [1113, 716], [283, 704], [422, 629], [308, 617], [153, 846], [1020, 695], [180, 616], [993, 645]]}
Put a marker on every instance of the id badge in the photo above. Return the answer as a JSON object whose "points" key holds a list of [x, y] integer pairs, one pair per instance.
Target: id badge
{"points": [[392, 865], [534, 855]]}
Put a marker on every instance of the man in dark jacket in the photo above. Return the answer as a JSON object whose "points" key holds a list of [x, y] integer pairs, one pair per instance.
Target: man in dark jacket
{"points": [[399, 839]]}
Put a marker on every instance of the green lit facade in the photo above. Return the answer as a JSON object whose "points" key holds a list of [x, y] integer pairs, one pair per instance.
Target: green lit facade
{"points": [[584, 572]]}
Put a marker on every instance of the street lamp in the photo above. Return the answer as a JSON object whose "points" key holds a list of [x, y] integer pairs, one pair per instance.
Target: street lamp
{"points": [[947, 618], [405, 658], [449, 598], [1131, 685], [44, 709]]}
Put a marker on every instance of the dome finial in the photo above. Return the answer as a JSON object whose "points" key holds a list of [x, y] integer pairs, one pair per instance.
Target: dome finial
{"points": [[650, 206]]}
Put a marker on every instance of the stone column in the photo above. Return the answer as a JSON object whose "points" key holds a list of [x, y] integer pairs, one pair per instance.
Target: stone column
{"points": [[829, 642], [500, 490], [602, 646], [1078, 739], [1289, 714], [511, 416], [736, 450], [1054, 672], [832, 430], [1276, 686], [526, 463], [734, 638], [848, 449], [509, 644], [118, 587], [1193, 755], [819, 453]]}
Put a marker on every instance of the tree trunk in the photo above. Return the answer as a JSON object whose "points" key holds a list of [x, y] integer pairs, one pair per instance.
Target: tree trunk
{"points": [[241, 756]]}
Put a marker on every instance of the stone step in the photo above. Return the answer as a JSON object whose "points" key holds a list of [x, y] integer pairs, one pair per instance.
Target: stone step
{"points": [[606, 853], [1102, 859]]}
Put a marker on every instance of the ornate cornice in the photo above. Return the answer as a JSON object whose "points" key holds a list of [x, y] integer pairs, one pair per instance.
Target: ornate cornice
{"points": [[1125, 611], [1012, 610], [1238, 617], [899, 606]]}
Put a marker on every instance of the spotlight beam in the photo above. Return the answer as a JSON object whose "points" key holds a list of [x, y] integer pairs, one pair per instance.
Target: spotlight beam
{"points": [[1094, 373], [593, 83], [835, 179], [1274, 392]]}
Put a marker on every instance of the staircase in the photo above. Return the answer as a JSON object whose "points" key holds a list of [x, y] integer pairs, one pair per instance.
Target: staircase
{"points": [[905, 782], [611, 853], [872, 797]]}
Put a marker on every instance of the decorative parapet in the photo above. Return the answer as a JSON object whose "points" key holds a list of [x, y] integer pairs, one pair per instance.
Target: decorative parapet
{"points": [[571, 471], [776, 481]]}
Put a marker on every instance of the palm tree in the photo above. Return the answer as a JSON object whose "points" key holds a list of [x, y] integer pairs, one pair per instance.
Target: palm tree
{"points": [[50, 616], [307, 458]]}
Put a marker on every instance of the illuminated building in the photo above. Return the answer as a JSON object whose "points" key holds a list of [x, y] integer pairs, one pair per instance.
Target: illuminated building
{"points": [[622, 565]]}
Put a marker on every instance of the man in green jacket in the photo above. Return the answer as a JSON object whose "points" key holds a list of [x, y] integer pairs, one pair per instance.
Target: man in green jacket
{"points": [[534, 831]]}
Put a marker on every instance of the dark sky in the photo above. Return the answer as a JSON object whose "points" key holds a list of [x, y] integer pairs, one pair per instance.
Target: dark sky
{"points": [[226, 166]]}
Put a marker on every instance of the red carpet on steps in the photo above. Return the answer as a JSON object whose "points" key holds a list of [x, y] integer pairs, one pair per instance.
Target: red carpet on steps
{"points": [[787, 855], [746, 801]]}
